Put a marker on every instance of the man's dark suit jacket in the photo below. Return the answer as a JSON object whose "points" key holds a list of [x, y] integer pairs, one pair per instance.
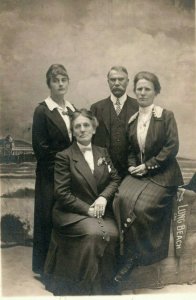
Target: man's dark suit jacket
{"points": [[76, 188], [102, 111]]}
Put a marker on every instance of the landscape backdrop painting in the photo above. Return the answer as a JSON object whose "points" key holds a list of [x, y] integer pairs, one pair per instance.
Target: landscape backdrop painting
{"points": [[88, 37]]}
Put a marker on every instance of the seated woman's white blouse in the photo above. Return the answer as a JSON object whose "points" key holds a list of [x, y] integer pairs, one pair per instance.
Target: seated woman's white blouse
{"points": [[88, 155]]}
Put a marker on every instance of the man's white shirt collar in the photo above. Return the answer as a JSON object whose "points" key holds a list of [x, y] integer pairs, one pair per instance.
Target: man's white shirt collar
{"points": [[122, 99]]}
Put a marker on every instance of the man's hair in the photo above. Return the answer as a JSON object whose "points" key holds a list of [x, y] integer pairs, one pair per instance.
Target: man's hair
{"points": [[118, 69]]}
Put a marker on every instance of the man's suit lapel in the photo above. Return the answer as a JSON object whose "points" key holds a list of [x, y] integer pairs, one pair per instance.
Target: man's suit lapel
{"points": [[83, 168], [55, 117], [106, 113]]}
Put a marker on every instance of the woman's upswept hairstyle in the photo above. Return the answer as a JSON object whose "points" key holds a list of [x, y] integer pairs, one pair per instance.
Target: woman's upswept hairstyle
{"points": [[150, 77], [55, 70], [85, 113]]}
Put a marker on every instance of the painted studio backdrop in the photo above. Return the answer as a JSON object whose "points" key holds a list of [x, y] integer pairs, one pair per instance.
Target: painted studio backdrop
{"points": [[88, 37]]}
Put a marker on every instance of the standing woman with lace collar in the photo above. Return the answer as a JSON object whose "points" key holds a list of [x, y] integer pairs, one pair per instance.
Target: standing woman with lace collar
{"points": [[143, 204], [51, 133]]}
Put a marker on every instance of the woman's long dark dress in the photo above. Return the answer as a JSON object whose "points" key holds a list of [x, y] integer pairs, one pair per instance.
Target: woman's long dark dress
{"points": [[143, 205], [82, 254], [49, 136]]}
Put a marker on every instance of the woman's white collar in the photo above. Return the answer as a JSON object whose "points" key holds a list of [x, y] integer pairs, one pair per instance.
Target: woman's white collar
{"points": [[156, 112]]}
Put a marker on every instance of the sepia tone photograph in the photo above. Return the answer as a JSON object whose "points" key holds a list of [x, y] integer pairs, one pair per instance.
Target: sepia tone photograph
{"points": [[97, 148]]}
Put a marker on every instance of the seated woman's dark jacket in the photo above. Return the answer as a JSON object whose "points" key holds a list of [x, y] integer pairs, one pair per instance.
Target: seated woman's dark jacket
{"points": [[76, 188]]}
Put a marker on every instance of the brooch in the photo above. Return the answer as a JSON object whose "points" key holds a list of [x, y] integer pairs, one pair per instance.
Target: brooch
{"points": [[102, 161]]}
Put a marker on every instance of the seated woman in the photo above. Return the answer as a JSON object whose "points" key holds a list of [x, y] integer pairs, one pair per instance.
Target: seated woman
{"points": [[144, 202], [81, 258]]}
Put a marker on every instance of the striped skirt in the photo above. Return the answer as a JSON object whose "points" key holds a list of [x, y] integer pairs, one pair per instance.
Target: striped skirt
{"points": [[143, 213]]}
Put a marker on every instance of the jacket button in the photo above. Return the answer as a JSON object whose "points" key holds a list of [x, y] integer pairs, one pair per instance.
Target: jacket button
{"points": [[128, 220], [125, 224]]}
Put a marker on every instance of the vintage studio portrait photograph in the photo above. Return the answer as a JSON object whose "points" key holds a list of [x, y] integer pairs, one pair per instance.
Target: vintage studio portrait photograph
{"points": [[98, 149]]}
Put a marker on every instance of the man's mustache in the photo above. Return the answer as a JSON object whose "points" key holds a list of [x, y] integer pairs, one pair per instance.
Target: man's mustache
{"points": [[117, 89]]}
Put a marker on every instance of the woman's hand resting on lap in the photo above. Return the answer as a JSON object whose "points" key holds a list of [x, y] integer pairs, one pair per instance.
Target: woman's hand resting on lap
{"points": [[97, 209], [138, 171]]}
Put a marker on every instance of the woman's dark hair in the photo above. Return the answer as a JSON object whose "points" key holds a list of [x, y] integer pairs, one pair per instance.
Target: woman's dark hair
{"points": [[85, 113], [150, 77], [55, 70]]}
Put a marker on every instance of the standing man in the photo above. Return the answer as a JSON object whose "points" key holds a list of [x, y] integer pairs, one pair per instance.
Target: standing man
{"points": [[113, 114]]}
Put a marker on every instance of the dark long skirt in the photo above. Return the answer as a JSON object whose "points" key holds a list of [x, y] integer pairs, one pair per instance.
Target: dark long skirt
{"points": [[44, 200], [82, 258], [143, 212]]}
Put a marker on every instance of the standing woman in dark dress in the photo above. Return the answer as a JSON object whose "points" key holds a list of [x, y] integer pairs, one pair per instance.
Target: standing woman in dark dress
{"points": [[51, 133], [144, 203]]}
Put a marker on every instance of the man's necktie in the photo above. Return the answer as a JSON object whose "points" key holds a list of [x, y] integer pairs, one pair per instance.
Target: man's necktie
{"points": [[118, 107]]}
